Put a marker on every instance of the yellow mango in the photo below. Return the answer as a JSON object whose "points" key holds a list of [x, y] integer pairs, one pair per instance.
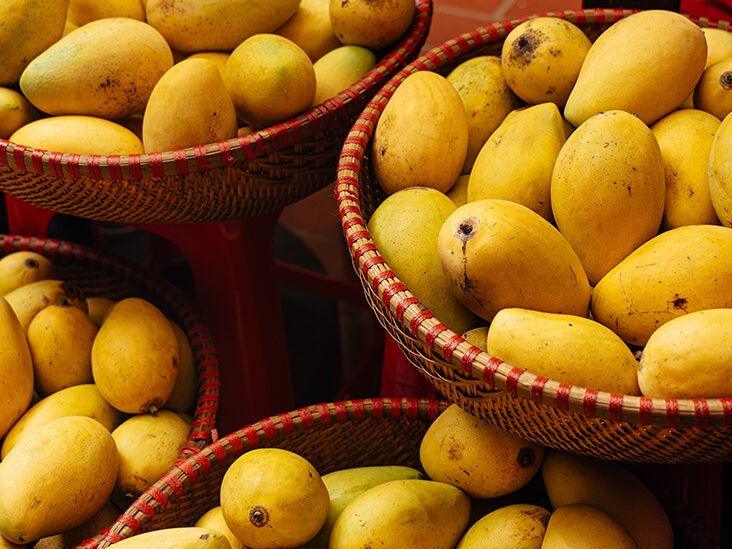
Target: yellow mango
{"points": [[567, 348], [310, 28], [177, 537], [517, 525], [583, 525], [371, 24], [646, 64], [16, 369], [188, 106], [673, 274], [77, 400], [214, 520], [45, 473], [216, 25], [689, 357], [28, 28], [720, 172], [424, 118], [106, 69], [218, 58], [517, 160], [487, 99], [135, 357], [339, 69], [713, 92], [185, 393], [497, 253], [719, 44], [404, 228], [81, 12], [15, 111], [23, 266], [608, 189], [685, 137]]}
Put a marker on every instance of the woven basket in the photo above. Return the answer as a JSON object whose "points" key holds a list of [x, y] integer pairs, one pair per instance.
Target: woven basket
{"points": [[557, 415], [331, 436], [97, 274], [241, 177]]}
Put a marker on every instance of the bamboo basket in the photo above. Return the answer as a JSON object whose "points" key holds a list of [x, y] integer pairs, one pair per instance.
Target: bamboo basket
{"points": [[241, 177], [98, 274], [331, 436], [557, 415]]}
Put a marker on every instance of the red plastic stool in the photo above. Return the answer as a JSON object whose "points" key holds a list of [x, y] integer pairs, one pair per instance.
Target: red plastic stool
{"points": [[236, 286]]}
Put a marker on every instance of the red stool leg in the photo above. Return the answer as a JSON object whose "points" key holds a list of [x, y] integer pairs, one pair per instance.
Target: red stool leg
{"points": [[399, 377], [26, 219], [237, 292]]}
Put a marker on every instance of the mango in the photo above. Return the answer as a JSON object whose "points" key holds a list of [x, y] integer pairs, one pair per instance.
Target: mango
{"points": [[77, 400], [403, 513], [81, 12], [44, 473], [424, 118], [498, 253], [24, 266], [720, 172], [29, 28], [339, 69], [542, 57], [135, 357], [719, 44], [31, 298], [608, 189], [216, 25], [185, 392], [481, 459], [566, 348], [675, 273], [213, 519], [646, 64], [582, 525], [685, 137], [310, 28], [15, 111], [517, 160], [180, 537], [16, 369], [689, 357], [368, 23], [512, 526], [607, 485], [107, 69], [405, 227], [188, 106], [78, 134], [487, 99], [713, 92]]}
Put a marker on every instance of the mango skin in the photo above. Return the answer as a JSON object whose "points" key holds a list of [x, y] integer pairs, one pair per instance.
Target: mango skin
{"points": [[583, 525], [513, 526], [679, 271], [107, 69], [181, 537], [666, 48], [566, 348], [16, 369], [689, 357], [608, 194], [720, 172], [44, 474]]}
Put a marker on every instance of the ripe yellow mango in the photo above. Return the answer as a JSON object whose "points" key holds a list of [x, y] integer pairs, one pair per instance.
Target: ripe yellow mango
{"points": [[16, 369], [404, 228], [685, 137], [689, 357], [135, 357], [424, 118], [107, 69], [608, 189], [497, 253], [219, 25], [583, 525], [214, 520], [310, 28], [713, 92], [371, 24], [50, 485], [28, 28], [646, 64], [719, 44], [83, 11], [78, 400], [15, 111], [188, 106], [720, 172], [519, 525], [679, 271], [180, 537], [340, 68], [487, 99], [566, 348], [517, 160]]}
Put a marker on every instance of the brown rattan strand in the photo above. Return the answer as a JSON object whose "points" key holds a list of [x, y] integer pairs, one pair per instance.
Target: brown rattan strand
{"points": [[562, 416], [332, 436], [242, 177], [99, 274]]}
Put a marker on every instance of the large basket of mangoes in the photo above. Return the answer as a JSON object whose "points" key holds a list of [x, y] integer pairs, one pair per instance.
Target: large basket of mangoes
{"points": [[205, 112], [108, 378], [391, 472], [549, 240]]}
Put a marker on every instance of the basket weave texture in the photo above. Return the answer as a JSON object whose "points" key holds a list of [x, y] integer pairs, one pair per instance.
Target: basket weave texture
{"points": [[331, 436], [241, 177], [557, 415], [99, 274]]}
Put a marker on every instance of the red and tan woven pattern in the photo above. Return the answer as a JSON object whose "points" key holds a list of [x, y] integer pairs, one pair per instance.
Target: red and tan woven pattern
{"points": [[331, 436], [98, 274], [558, 415], [242, 177]]}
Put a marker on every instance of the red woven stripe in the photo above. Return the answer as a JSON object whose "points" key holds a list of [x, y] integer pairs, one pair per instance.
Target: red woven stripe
{"points": [[131, 522], [93, 166], [174, 483], [4, 152], [537, 388], [672, 412], [306, 418], [134, 166], [359, 412], [377, 405], [403, 304], [202, 163], [412, 408], [181, 162], [469, 358], [450, 345], [615, 407], [37, 161], [418, 319], [251, 435], [55, 164], [350, 209], [351, 222], [433, 409], [227, 159], [370, 247], [393, 289], [115, 169], [490, 369], [378, 277], [160, 498], [269, 428], [432, 334], [341, 413], [288, 424], [218, 450], [512, 380], [156, 164], [19, 157], [701, 411], [727, 410], [645, 410], [562, 397]]}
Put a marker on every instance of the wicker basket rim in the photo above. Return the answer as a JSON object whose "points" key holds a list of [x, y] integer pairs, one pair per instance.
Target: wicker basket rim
{"points": [[226, 153], [470, 361]]}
